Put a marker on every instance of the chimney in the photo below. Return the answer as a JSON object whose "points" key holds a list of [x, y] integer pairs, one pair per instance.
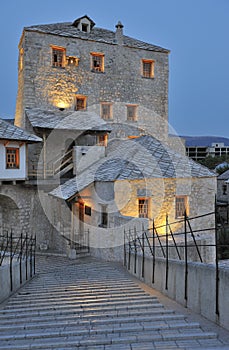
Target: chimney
{"points": [[119, 33]]}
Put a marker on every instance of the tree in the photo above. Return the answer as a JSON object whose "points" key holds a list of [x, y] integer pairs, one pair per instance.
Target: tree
{"points": [[212, 162]]}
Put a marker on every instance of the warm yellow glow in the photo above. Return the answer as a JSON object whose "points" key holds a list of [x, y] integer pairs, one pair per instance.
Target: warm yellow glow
{"points": [[61, 104]]}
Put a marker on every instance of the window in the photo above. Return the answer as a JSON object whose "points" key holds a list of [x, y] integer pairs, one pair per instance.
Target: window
{"points": [[132, 112], [224, 189], [104, 216], [106, 110], [84, 27], [12, 158], [58, 57], [181, 206], [87, 210], [143, 208], [148, 68], [81, 103], [97, 62], [102, 140]]}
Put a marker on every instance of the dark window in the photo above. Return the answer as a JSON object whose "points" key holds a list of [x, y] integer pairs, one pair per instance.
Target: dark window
{"points": [[97, 62], [81, 103], [224, 189], [106, 111], [181, 206], [132, 112], [104, 216], [84, 27], [58, 57], [87, 210]]}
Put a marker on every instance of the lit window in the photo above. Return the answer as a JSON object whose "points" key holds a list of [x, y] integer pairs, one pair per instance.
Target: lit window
{"points": [[143, 208], [106, 110], [132, 112], [58, 57], [102, 140], [148, 68], [97, 62], [181, 206], [81, 103], [12, 158]]}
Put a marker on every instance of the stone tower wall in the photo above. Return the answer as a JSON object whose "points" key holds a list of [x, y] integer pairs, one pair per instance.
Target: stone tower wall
{"points": [[41, 85]]}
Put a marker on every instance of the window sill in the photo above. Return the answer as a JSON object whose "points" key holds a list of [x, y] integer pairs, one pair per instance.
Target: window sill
{"points": [[149, 78], [56, 67], [97, 72]]}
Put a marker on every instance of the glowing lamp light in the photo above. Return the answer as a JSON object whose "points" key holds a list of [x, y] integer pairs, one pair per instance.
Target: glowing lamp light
{"points": [[61, 105]]}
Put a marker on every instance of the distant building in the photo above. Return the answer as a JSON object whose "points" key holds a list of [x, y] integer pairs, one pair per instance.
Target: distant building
{"points": [[199, 147]]}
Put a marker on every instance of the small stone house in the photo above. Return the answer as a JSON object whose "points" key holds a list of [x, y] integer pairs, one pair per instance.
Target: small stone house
{"points": [[14, 152]]}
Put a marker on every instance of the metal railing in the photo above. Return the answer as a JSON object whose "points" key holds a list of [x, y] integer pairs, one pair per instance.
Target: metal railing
{"points": [[80, 242], [58, 165], [175, 245], [17, 248]]}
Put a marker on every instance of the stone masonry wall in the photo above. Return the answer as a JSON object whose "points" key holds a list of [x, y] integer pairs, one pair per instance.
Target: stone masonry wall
{"points": [[44, 86]]}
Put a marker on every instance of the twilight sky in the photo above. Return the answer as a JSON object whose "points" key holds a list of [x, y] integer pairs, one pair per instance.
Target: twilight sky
{"points": [[196, 32]]}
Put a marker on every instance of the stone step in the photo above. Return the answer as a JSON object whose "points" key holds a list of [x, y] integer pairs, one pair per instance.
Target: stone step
{"points": [[63, 303], [60, 309], [81, 298], [146, 321], [88, 289], [68, 330], [36, 317], [64, 340]]}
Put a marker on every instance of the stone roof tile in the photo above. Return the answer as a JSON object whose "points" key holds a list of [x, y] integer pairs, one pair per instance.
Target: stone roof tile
{"points": [[8, 131], [67, 29], [120, 164], [66, 120]]}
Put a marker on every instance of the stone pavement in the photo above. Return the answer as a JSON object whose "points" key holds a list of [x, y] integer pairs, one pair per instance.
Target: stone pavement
{"points": [[90, 304]]}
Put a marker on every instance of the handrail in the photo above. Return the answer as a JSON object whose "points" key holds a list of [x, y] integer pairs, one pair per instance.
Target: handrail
{"points": [[53, 167]]}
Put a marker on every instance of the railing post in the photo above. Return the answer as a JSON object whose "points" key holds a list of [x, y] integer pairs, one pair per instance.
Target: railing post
{"points": [[185, 257], [34, 255], [88, 240], [11, 260], [135, 250], [31, 257], [154, 261], [143, 254], [216, 265], [26, 256], [167, 253], [20, 257], [124, 248], [129, 251]]}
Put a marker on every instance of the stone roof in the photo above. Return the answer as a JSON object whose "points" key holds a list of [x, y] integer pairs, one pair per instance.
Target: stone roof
{"points": [[66, 120], [68, 29], [140, 158], [224, 176], [8, 131]]}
